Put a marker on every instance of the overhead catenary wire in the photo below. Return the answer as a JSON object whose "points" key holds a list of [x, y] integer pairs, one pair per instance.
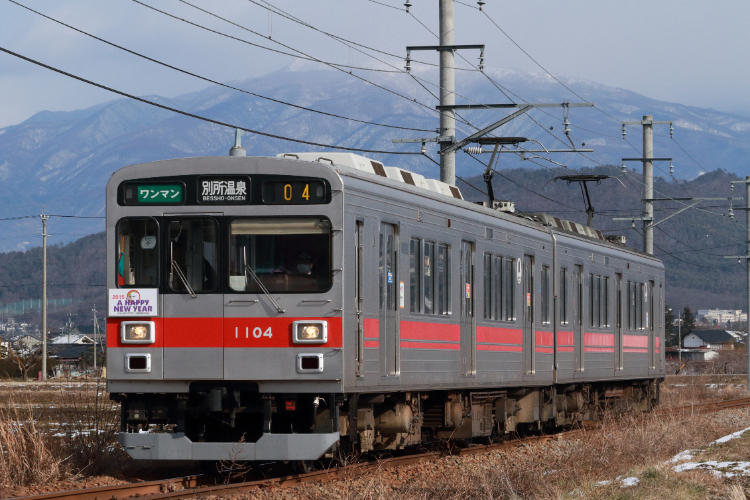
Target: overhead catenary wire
{"points": [[215, 82], [193, 115]]}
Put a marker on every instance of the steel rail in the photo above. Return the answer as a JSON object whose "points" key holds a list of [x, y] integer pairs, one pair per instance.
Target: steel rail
{"points": [[184, 487]]}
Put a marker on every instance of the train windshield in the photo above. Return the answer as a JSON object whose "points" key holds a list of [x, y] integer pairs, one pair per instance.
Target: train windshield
{"points": [[137, 253], [193, 258], [280, 254]]}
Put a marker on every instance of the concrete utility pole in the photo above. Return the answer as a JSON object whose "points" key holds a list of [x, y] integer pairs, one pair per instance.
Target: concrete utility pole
{"points": [[447, 92], [96, 329], [648, 176], [648, 184], [747, 265], [44, 218]]}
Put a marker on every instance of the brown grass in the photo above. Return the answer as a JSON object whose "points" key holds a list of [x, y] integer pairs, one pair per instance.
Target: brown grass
{"points": [[26, 457]]}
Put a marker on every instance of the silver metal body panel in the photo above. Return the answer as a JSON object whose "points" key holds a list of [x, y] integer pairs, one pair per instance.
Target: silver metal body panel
{"points": [[269, 447]]}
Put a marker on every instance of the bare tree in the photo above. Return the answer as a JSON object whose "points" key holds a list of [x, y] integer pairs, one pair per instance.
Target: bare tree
{"points": [[25, 360]]}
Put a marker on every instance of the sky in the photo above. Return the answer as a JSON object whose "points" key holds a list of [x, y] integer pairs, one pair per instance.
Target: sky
{"points": [[683, 51]]}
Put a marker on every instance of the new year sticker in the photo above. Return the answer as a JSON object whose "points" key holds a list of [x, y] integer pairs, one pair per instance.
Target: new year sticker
{"points": [[133, 302]]}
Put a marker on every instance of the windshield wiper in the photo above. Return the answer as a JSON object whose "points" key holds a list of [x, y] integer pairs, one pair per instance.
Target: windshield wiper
{"points": [[263, 287], [184, 280], [179, 272]]}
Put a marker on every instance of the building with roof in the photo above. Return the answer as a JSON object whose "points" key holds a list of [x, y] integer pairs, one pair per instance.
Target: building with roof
{"points": [[711, 339]]}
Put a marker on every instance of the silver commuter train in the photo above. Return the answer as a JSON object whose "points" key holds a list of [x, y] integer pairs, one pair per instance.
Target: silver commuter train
{"points": [[302, 306]]}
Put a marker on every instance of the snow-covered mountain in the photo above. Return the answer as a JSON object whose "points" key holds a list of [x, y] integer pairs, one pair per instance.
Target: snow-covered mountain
{"points": [[63, 159]]}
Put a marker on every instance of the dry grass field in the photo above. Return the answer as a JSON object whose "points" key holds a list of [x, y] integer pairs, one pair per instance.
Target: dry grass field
{"points": [[62, 435]]}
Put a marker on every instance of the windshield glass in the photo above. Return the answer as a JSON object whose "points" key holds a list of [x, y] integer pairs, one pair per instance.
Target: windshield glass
{"points": [[137, 253], [192, 254], [287, 254]]}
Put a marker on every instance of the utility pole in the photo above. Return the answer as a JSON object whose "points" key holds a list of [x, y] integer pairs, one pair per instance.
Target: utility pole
{"points": [[96, 329], [447, 92], [44, 218], [747, 265], [648, 177], [679, 339]]}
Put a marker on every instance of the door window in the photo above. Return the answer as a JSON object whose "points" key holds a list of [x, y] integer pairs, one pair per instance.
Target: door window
{"points": [[192, 254]]}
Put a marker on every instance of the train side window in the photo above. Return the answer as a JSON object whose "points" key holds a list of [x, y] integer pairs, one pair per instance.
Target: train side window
{"points": [[631, 305], [428, 277], [443, 279], [497, 287], [605, 302], [488, 287], [509, 290], [595, 296], [545, 295], [563, 296], [415, 291], [137, 253]]}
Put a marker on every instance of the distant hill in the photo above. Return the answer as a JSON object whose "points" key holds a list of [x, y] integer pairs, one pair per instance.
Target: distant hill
{"points": [[63, 159], [691, 244]]}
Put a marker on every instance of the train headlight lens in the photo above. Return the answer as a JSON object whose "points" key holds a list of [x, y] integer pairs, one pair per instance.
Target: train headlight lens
{"points": [[310, 332], [137, 332]]}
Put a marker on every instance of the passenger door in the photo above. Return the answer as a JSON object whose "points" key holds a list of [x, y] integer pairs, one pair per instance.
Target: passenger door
{"points": [[468, 325], [388, 267], [193, 302], [528, 314]]}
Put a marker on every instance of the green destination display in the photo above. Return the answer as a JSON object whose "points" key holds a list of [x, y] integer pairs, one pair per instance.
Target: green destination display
{"points": [[160, 193]]}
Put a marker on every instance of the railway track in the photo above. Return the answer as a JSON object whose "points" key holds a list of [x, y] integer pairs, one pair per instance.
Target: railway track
{"points": [[184, 487]]}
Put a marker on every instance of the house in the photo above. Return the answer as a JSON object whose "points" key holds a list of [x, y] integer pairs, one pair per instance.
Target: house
{"points": [[72, 338], [70, 359], [26, 342], [697, 354], [712, 339]]}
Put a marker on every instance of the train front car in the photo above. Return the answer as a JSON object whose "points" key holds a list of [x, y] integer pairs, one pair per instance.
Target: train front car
{"points": [[224, 326]]}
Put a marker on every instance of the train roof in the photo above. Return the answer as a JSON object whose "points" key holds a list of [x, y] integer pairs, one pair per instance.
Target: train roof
{"points": [[357, 163]]}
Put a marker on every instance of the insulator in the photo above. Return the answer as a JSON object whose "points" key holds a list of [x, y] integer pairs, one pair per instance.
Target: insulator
{"points": [[407, 5], [423, 148], [474, 150], [633, 224], [624, 133], [481, 4], [567, 126], [481, 58], [408, 63], [624, 168], [671, 168], [671, 131], [731, 213]]}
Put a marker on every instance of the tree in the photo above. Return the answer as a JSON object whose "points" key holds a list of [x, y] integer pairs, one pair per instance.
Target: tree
{"points": [[25, 360], [688, 322]]}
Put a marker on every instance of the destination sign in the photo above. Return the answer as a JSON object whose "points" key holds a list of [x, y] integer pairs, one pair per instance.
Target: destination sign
{"points": [[305, 192], [154, 194], [223, 190]]}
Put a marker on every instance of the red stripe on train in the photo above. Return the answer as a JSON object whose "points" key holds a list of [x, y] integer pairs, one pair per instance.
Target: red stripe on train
{"points": [[599, 349], [413, 330], [599, 339], [273, 332], [544, 338], [564, 338], [635, 341], [499, 335], [372, 328], [431, 345], [504, 348]]}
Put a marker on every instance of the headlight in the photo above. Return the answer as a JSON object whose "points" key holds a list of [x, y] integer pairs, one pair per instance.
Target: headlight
{"points": [[310, 332], [137, 332]]}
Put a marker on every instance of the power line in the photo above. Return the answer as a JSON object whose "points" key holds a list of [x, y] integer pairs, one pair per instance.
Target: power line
{"points": [[192, 115], [209, 79]]}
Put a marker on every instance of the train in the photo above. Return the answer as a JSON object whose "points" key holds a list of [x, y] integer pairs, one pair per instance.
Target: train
{"points": [[313, 305]]}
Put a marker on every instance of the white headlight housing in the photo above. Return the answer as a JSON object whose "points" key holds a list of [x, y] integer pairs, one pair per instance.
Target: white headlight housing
{"points": [[137, 332], [310, 332]]}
